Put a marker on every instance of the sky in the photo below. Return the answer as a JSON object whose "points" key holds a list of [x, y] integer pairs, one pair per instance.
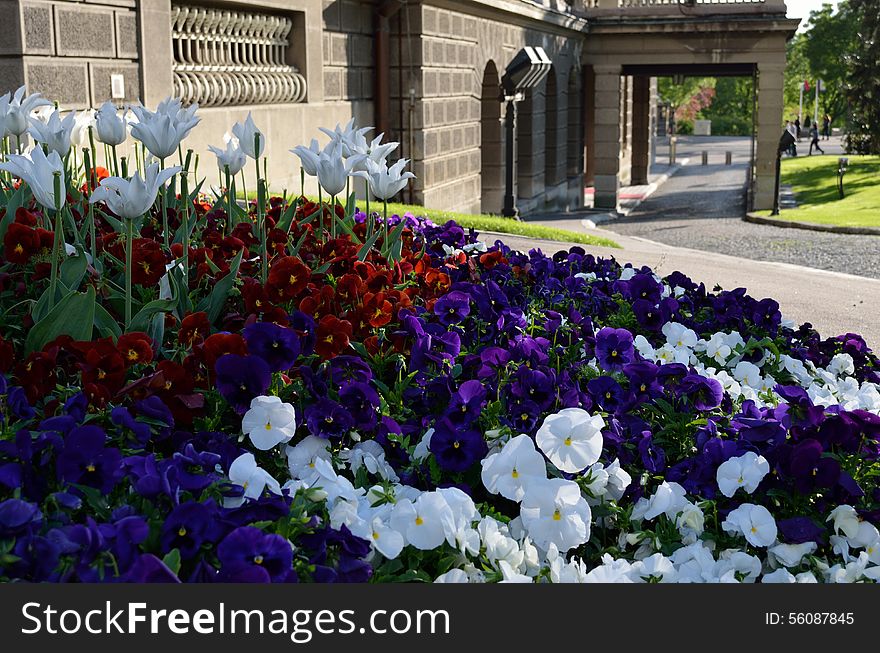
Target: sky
{"points": [[802, 8]]}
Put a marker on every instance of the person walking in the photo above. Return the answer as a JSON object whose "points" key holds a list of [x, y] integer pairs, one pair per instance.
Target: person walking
{"points": [[814, 140], [789, 126], [826, 127], [797, 127]]}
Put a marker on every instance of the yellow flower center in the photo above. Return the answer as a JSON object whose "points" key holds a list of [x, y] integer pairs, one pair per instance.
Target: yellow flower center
{"points": [[18, 248], [456, 444], [375, 535], [258, 559], [90, 468], [182, 532], [514, 473], [557, 515], [268, 426], [419, 521], [568, 441]]}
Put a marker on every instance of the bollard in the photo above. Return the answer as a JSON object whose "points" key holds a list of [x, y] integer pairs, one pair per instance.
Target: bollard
{"points": [[672, 143], [705, 158], [728, 158]]}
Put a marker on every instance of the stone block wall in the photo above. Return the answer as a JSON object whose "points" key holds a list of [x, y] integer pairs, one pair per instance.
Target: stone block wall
{"points": [[445, 73], [68, 49], [348, 68]]}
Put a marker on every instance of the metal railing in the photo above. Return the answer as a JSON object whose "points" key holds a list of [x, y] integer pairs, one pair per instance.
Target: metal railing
{"points": [[224, 58], [704, 6]]}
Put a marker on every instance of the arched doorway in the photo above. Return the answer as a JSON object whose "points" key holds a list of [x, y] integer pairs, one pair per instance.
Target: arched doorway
{"points": [[491, 143]]}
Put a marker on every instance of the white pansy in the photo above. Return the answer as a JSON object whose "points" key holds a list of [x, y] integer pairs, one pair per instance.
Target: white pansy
{"points": [[841, 365], [679, 336], [657, 567], [668, 499], [554, 512], [508, 471], [571, 439], [748, 374], [717, 348], [421, 522], [690, 522], [752, 521], [385, 539], [598, 481], [610, 571], [269, 422], [790, 555], [453, 576], [245, 472], [618, 480], [746, 471], [738, 566], [781, 575], [371, 456], [866, 535], [644, 348], [301, 458], [846, 520]]}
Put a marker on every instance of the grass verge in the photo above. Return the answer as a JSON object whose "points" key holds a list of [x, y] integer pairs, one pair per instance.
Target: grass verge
{"points": [[814, 182], [493, 223]]}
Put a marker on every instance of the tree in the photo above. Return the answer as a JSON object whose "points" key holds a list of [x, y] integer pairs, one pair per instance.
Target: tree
{"points": [[830, 39], [688, 97], [732, 107], [864, 91]]}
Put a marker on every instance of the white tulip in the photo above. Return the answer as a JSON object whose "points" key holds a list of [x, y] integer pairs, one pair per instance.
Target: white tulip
{"points": [[247, 135], [233, 156], [15, 111], [385, 182], [374, 151], [162, 131], [132, 198], [56, 133], [39, 172], [79, 136], [110, 126], [333, 170], [309, 157]]}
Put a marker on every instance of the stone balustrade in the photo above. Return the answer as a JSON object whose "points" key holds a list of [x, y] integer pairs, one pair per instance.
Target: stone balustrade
{"points": [[227, 58], [694, 7]]}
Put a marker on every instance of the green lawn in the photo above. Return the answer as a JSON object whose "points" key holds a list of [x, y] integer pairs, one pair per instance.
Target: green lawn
{"points": [[494, 223], [814, 181]]}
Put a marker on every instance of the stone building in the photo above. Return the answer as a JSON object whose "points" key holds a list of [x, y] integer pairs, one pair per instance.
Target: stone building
{"points": [[426, 72]]}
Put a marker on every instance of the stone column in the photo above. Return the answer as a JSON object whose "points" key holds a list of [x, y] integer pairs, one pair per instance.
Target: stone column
{"points": [[156, 57], [641, 130], [607, 135], [769, 129]]}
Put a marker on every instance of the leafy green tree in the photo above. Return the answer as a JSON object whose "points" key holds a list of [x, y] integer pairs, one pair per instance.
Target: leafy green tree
{"points": [[829, 41], [732, 107], [864, 89]]}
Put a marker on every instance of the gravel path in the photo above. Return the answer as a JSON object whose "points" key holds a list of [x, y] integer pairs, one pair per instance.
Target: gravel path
{"points": [[701, 208]]}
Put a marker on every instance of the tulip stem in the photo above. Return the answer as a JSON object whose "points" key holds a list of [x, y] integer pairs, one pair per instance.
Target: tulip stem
{"points": [[333, 217], [261, 213], [184, 193], [321, 209], [163, 207], [129, 246], [369, 223], [302, 182], [115, 162], [228, 200], [88, 159], [385, 222], [56, 242]]}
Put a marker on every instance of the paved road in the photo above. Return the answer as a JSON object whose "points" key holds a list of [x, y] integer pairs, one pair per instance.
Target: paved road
{"points": [[701, 206], [834, 303]]}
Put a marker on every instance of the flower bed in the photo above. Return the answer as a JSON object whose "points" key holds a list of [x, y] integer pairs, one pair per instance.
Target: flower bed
{"points": [[294, 392]]}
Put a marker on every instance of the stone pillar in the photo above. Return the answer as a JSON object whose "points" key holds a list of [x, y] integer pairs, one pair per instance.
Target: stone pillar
{"points": [[156, 59], [606, 146], [769, 129], [641, 130]]}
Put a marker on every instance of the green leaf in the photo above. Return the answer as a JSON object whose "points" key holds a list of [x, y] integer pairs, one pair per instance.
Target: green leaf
{"points": [[73, 268], [345, 226], [287, 217], [367, 246], [73, 316], [213, 303], [172, 560], [142, 319], [294, 251], [350, 205], [105, 323], [16, 200]]}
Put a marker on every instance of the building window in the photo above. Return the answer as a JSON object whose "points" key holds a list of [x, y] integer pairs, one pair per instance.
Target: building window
{"points": [[226, 58]]}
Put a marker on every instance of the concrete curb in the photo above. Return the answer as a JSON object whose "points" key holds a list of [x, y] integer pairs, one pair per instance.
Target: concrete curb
{"points": [[810, 226]]}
